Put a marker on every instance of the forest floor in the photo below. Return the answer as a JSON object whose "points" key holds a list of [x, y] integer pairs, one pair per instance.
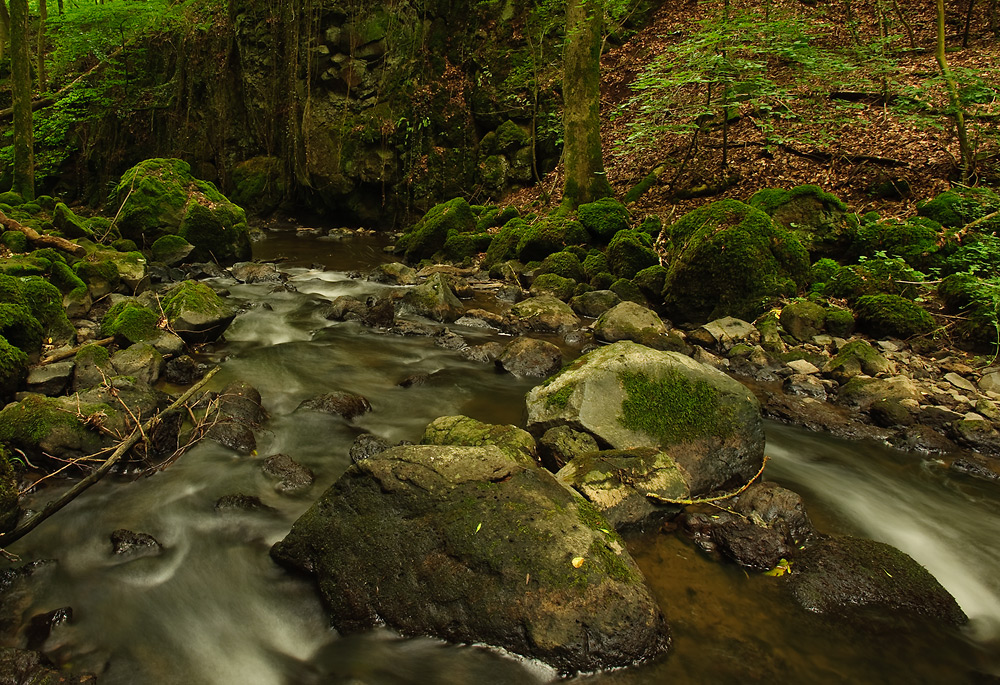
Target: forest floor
{"points": [[848, 143]]}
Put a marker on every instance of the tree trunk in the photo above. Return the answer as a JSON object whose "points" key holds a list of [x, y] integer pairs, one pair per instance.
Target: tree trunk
{"points": [[956, 102], [43, 16], [20, 59], [584, 164], [4, 27]]}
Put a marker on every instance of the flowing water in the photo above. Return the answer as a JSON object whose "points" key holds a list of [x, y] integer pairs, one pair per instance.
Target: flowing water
{"points": [[213, 608]]}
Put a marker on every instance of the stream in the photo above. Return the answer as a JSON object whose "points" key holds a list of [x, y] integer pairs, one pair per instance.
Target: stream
{"points": [[214, 609]]}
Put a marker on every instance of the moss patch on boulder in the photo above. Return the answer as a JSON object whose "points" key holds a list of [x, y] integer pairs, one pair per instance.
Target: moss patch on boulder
{"points": [[892, 315]]}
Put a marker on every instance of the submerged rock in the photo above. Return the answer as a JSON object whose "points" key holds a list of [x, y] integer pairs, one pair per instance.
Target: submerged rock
{"points": [[127, 542], [867, 580], [468, 545], [628, 396], [346, 404], [292, 476]]}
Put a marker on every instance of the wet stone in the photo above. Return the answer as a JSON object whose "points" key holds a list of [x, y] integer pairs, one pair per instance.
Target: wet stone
{"points": [[346, 404], [127, 542], [241, 502], [367, 445], [51, 379], [292, 476]]}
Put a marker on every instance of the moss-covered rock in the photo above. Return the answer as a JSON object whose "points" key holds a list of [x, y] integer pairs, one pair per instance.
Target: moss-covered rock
{"points": [[196, 313], [565, 264], [100, 274], [596, 262], [977, 300], [13, 369], [462, 430], [69, 224], [547, 235], [603, 218], [159, 197], [429, 234], [803, 319], [628, 395], [40, 425], [470, 545], [892, 315], [819, 220], [131, 321], [545, 314], [503, 246], [650, 281], [11, 199], [629, 252], [434, 299], [854, 358], [728, 258], [20, 328], [631, 321], [45, 302], [917, 241], [956, 208], [15, 241], [495, 216], [553, 285], [627, 290], [171, 250]]}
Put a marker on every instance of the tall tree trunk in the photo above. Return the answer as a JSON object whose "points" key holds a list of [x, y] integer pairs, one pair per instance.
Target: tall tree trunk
{"points": [[584, 164], [43, 16], [20, 60], [4, 26], [956, 102]]}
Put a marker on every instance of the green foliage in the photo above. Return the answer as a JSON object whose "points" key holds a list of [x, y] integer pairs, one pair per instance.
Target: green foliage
{"points": [[977, 300], [956, 208], [916, 241], [979, 257]]}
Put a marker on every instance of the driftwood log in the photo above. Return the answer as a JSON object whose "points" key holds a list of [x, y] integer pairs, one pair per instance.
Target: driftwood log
{"points": [[37, 238]]}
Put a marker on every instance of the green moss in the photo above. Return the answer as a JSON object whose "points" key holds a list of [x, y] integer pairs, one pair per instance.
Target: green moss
{"points": [[34, 418], [917, 241], [429, 234], [510, 137], [125, 245], [496, 216], [216, 233], [66, 280], [555, 285], [11, 198], [193, 296], [560, 398], [93, 269], [45, 303], [627, 290], [603, 281], [629, 252], [130, 320], [258, 184], [20, 328], [596, 262], [672, 409], [892, 315], [650, 281], [603, 218], [548, 235], [13, 369], [95, 355], [611, 562], [770, 199], [728, 258], [822, 270], [15, 241], [839, 322], [565, 264], [503, 247], [956, 208], [69, 224], [24, 265]]}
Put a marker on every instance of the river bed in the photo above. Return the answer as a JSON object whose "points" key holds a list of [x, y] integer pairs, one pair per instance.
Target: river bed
{"points": [[213, 608]]}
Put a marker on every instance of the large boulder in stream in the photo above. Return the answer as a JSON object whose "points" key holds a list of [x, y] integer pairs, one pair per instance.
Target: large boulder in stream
{"points": [[628, 396], [196, 312], [160, 197], [470, 545], [434, 299]]}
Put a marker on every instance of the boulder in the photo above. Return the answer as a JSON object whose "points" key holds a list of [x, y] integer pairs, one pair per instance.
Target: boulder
{"points": [[819, 220], [803, 319], [292, 476], [530, 357], [160, 197], [866, 580], [196, 313], [619, 483], [462, 430], [728, 258], [627, 396], [631, 321], [13, 369], [346, 404], [51, 379], [257, 272], [856, 357], [142, 361], [367, 445], [434, 299], [237, 413], [726, 333], [395, 273], [469, 545], [861, 391], [559, 445], [594, 303], [545, 314], [125, 542]]}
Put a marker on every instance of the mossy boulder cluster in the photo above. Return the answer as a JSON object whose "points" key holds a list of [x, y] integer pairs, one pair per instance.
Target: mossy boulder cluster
{"points": [[160, 197]]}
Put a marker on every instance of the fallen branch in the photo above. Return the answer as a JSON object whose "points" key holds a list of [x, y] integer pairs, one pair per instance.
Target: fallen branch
{"points": [[701, 500], [66, 354], [39, 239], [96, 475]]}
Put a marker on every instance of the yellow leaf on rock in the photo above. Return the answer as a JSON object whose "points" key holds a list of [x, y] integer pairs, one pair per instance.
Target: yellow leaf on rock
{"points": [[578, 562]]}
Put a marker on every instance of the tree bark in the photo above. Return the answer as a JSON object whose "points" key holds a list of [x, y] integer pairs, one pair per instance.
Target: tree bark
{"points": [[20, 59], [4, 27], [956, 103], [585, 180]]}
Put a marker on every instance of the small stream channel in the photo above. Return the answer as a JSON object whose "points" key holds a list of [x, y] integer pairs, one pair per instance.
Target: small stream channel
{"points": [[213, 608]]}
